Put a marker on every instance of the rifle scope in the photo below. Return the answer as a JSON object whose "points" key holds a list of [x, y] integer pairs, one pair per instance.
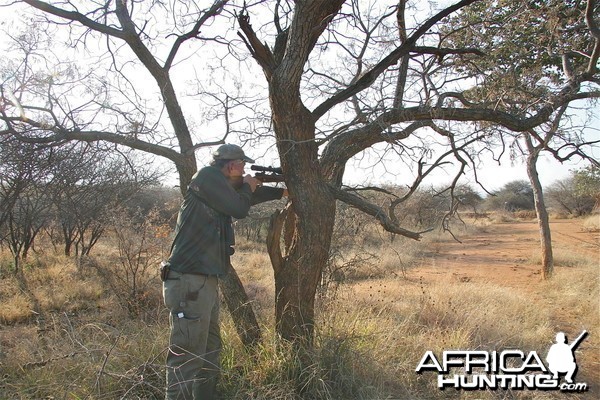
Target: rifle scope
{"points": [[275, 170]]}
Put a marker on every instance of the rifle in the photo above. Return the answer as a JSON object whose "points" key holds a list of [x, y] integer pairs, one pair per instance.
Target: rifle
{"points": [[268, 174], [579, 339]]}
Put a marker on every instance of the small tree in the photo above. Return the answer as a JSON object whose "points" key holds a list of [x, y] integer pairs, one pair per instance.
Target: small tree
{"points": [[513, 196], [25, 206], [88, 185], [586, 184], [142, 242], [566, 195]]}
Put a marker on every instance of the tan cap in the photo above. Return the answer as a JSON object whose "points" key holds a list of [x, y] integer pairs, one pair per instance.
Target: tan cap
{"points": [[231, 152]]}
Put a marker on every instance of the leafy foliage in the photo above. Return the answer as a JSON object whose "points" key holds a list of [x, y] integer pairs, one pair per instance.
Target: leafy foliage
{"points": [[587, 182], [576, 195], [514, 196], [526, 45]]}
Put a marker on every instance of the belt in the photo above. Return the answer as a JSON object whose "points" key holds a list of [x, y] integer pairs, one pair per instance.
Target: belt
{"points": [[167, 273], [178, 273]]}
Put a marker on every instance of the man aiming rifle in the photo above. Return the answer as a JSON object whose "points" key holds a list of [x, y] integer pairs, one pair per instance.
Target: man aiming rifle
{"points": [[200, 253]]}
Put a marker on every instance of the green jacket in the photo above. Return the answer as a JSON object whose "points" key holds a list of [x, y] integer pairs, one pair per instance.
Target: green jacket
{"points": [[204, 235]]}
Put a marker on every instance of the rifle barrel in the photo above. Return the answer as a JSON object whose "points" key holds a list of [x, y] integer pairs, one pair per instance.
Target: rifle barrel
{"points": [[579, 339]]}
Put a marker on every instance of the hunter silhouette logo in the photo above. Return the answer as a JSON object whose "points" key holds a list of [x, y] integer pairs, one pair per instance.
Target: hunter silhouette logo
{"points": [[507, 369], [561, 356]]}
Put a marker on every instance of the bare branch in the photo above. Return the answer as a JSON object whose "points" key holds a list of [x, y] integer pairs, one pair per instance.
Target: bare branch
{"points": [[76, 16], [214, 10], [404, 49], [375, 211], [61, 135]]}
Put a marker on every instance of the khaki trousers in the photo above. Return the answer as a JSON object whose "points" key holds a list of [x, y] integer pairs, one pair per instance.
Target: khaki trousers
{"points": [[195, 342]]}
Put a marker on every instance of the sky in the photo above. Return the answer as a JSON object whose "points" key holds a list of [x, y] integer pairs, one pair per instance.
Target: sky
{"points": [[493, 175]]}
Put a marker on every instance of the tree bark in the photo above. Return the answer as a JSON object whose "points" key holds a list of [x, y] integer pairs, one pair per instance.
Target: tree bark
{"points": [[298, 270], [540, 210], [309, 220]]}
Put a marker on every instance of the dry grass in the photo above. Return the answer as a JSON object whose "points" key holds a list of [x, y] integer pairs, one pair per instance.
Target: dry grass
{"points": [[592, 223], [64, 335]]}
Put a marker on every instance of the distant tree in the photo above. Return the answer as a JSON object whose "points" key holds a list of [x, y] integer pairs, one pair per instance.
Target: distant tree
{"points": [[88, 184], [25, 204], [469, 199], [562, 198], [513, 196], [577, 194], [436, 205], [29, 214], [165, 201], [587, 185]]}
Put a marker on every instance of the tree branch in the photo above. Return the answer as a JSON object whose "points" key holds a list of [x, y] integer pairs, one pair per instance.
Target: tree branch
{"points": [[442, 52], [375, 211], [595, 31], [474, 114], [75, 16], [259, 51], [214, 10], [61, 135], [405, 48], [136, 44]]}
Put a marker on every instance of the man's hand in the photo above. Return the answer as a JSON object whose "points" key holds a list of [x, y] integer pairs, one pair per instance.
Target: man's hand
{"points": [[252, 181]]}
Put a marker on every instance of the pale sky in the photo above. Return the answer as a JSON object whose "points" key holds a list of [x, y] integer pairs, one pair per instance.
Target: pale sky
{"points": [[493, 176]]}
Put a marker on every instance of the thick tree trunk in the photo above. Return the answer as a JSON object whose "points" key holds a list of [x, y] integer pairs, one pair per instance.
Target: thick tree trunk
{"points": [[298, 270], [309, 222], [541, 212]]}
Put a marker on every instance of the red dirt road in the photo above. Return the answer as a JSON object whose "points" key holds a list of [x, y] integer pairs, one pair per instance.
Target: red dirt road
{"points": [[503, 252]]}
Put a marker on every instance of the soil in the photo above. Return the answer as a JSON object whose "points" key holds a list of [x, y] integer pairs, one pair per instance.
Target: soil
{"points": [[502, 254]]}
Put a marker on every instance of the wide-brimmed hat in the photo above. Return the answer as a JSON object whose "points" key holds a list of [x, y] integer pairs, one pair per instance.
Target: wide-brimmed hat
{"points": [[231, 152]]}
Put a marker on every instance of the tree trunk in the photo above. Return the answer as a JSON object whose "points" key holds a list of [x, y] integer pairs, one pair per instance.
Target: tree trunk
{"points": [[540, 210], [186, 171], [309, 222], [298, 270], [240, 308]]}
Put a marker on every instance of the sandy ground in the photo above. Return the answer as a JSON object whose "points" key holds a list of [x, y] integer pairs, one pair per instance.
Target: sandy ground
{"points": [[502, 252]]}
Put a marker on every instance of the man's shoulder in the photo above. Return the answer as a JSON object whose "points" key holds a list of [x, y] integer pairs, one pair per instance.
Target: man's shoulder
{"points": [[208, 171], [202, 177], [205, 174]]}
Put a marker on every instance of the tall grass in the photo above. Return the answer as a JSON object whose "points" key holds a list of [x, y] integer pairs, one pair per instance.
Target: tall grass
{"points": [[65, 335]]}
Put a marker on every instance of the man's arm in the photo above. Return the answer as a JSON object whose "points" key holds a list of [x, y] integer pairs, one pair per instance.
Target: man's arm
{"points": [[267, 193], [213, 188]]}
